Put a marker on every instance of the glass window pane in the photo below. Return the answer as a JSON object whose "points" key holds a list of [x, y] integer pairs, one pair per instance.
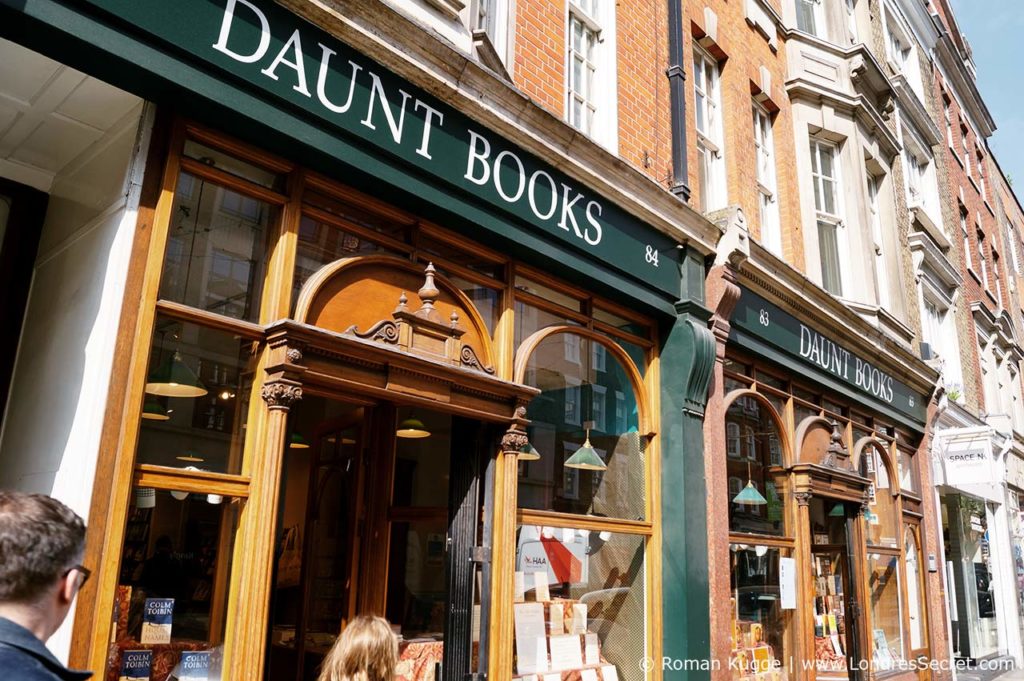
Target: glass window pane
{"points": [[486, 300], [762, 645], [886, 633], [805, 16], [605, 479], [882, 523], [197, 398], [547, 293], [828, 195], [216, 249], [421, 461], [321, 243], [593, 613], [416, 578], [388, 223], [530, 319], [237, 167], [755, 477], [447, 248], [621, 323], [172, 593], [828, 246], [312, 594], [914, 612]]}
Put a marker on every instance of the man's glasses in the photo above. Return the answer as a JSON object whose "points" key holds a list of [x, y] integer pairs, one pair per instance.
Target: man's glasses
{"points": [[82, 570]]}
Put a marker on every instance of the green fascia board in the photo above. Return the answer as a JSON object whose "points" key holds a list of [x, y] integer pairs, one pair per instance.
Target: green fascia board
{"points": [[98, 46], [761, 348]]}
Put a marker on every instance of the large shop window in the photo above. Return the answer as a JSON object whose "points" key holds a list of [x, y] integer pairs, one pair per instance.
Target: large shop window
{"points": [[763, 573], [580, 585], [915, 604], [370, 516], [882, 521], [172, 592], [754, 450]]}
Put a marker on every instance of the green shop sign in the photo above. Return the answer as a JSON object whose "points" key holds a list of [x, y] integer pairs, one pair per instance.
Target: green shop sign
{"points": [[300, 65], [827, 360]]}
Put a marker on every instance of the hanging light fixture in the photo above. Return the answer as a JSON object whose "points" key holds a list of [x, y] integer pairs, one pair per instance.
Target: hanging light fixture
{"points": [[191, 457], [749, 494], [154, 411], [412, 428], [298, 442], [586, 458], [528, 453], [838, 511], [175, 379]]}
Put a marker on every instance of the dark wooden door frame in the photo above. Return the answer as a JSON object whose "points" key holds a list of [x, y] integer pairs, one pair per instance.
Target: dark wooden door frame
{"points": [[17, 261]]}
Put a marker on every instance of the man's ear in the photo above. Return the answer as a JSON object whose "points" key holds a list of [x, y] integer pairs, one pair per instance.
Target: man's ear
{"points": [[69, 586]]}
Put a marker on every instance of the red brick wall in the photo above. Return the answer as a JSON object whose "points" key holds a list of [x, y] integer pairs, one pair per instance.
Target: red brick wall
{"points": [[742, 51], [644, 124]]}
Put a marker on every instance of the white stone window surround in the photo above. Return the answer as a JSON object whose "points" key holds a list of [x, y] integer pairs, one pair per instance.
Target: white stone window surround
{"points": [[809, 17], [874, 206], [827, 192], [493, 18], [764, 146], [938, 325], [900, 48], [919, 176], [709, 126], [602, 91]]}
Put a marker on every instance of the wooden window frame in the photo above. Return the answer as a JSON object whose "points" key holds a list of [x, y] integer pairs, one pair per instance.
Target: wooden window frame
{"points": [[256, 485]]}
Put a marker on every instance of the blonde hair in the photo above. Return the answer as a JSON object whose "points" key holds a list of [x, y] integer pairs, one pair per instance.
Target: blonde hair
{"points": [[367, 650]]}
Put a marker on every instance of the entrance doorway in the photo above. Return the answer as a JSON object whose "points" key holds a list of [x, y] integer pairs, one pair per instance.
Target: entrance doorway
{"points": [[836, 649], [379, 513]]}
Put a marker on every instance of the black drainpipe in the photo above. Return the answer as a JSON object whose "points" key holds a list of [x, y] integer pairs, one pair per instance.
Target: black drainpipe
{"points": [[677, 97]]}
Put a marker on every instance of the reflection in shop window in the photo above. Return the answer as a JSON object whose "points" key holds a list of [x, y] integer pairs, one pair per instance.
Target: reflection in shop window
{"points": [[172, 592], [754, 457], [886, 611], [216, 249], [197, 398], [882, 522], [914, 612], [579, 603], [562, 419], [762, 602]]}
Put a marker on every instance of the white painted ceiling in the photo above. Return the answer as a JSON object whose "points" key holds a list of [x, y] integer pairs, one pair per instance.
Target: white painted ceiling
{"points": [[49, 114]]}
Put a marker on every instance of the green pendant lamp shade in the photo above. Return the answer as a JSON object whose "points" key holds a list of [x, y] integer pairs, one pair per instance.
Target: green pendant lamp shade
{"points": [[154, 411], [528, 453], [174, 379], [838, 511], [749, 495], [298, 442], [586, 458], [412, 428]]}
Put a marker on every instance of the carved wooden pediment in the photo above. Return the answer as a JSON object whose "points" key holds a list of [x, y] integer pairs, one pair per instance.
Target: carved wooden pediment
{"points": [[369, 298]]}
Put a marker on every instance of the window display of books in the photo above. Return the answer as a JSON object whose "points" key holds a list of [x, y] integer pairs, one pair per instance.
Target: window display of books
{"points": [[829, 614], [552, 640], [753, 658]]}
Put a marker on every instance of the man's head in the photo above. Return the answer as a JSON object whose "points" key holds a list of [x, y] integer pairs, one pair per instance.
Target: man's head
{"points": [[41, 545]]}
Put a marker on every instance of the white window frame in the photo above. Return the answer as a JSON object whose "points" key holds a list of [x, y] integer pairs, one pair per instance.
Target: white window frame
{"points": [[819, 182], [982, 259], [967, 238], [492, 17], [599, 96], [571, 344], [768, 201], [851, 20], [948, 114], [817, 16], [901, 52], [878, 236], [967, 152], [710, 140], [599, 407], [981, 175], [573, 397]]}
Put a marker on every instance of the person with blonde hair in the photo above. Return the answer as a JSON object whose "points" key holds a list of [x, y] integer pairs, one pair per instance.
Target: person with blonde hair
{"points": [[367, 650]]}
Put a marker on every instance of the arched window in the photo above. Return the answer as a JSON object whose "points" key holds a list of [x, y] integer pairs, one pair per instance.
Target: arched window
{"points": [[882, 522], [583, 403], [761, 505]]}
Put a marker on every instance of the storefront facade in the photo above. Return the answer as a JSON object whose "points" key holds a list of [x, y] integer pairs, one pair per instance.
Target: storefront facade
{"points": [[376, 357], [818, 470]]}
